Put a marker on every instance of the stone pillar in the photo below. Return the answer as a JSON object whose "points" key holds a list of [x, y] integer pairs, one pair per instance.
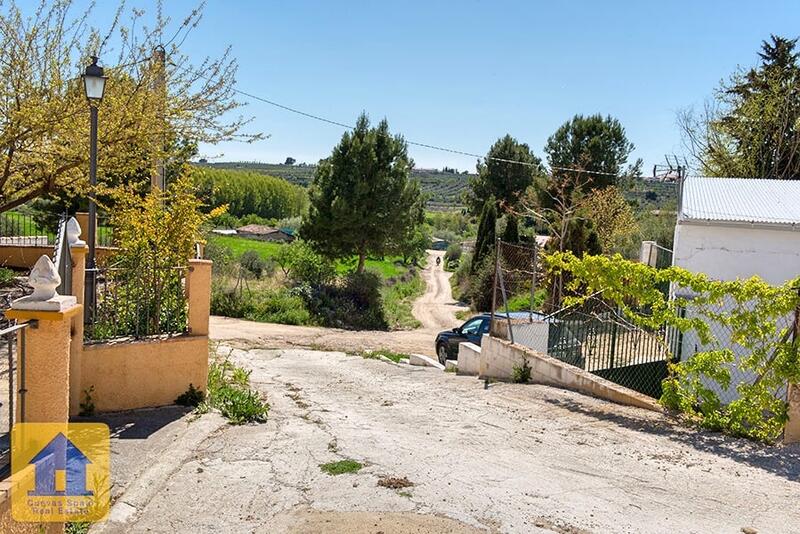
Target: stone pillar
{"points": [[198, 295], [791, 433], [44, 347], [78, 249]]}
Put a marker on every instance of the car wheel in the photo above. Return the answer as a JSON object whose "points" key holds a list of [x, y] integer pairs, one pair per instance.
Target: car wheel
{"points": [[441, 351]]}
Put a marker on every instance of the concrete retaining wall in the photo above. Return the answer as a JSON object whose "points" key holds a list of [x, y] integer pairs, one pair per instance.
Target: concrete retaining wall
{"points": [[498, 358], [469, 359]]}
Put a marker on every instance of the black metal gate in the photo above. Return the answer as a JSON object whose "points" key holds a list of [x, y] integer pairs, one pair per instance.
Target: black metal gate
{"points": [[12, 388], [609, 346]]}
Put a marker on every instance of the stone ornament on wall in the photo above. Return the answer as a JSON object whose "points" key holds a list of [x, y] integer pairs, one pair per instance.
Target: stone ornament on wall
{"points": [[74, 233], [44, 280]]}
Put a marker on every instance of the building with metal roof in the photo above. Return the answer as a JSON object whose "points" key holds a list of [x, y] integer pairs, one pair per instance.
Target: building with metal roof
{"points": [[740, 201], [736, 228], [733, 228]]}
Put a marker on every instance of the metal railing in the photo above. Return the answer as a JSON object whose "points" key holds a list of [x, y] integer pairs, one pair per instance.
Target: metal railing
{"points": [[21, 229], [137, 303], [11, 368]]}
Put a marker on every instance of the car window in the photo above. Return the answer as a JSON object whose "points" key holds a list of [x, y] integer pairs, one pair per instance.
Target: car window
{"points": [[485, 326], [472, 326]]}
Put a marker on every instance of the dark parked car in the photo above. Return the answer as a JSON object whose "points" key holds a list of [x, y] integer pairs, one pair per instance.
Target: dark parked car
{"points": [[472, 331], [562, 341]]}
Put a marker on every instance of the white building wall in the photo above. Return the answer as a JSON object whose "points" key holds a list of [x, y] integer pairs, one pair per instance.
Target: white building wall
{"points": [[730, 252]]}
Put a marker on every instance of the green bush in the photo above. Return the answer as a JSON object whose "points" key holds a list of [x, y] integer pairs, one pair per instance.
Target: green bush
{"points": [[302, 265], [224, 220], [521, 374], [7, 276], [263, 305], [398, 295], [479, 292], [352, 301], [252, 262], [252, 218], [453, 255]]}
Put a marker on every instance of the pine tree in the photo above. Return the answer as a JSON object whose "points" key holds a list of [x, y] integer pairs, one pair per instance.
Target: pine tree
{"points": [[362, 201]]}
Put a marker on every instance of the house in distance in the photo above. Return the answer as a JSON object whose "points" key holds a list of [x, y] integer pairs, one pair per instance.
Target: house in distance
{"points": [[262, 232]]}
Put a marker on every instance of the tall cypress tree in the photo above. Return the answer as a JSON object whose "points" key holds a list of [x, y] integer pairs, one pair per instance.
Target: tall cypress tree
{"points": [[511, 233], [484, 243]]}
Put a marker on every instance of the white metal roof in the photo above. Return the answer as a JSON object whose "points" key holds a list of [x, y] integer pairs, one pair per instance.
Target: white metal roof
{"points": [[741, 200]]}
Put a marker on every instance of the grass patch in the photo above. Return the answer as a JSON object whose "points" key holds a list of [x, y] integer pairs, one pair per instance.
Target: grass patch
{"points": [[341, 467], [522, 302], [229, 392], [240, 245], [387, 268], [398, 300], [396, 357], [258, 303]]}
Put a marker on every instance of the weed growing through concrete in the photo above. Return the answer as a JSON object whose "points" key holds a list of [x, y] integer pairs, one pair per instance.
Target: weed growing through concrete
{"points": [[191, 397], [229, 392], [87, 404], [521, 374], [396, 357], [451, 369], [341, 467]]}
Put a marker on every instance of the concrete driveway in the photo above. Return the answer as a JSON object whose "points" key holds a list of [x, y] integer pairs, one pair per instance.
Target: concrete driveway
{"points": [[510, 458]]}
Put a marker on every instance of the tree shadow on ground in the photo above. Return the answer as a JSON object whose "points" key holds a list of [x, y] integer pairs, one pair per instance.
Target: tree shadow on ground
{"points": [[783, 461], [137, 424]]}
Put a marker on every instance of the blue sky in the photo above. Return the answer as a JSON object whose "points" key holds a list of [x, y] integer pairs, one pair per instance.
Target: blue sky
{"points": [[461, 74]]}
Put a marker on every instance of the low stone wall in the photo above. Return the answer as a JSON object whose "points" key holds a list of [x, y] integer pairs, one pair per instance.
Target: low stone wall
{"points": [[498, 358], [143, 374]]}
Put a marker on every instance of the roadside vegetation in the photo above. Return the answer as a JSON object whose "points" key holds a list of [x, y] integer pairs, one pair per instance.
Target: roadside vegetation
{"points": [[357, 250], [229, 392]]}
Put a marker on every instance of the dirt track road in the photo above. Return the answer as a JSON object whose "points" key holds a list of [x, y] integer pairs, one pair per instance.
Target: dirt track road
{"points": [[435, 310]]}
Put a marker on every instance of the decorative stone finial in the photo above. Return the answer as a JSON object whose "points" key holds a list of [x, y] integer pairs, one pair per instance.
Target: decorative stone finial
{"points": [[74, 233], [44, 279]]}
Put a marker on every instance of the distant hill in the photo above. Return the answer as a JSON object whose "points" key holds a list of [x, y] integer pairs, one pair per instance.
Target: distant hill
{"points": [[442, 188]]}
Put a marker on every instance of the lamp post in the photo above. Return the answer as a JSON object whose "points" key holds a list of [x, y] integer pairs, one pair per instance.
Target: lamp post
{"points": [[94, 84]]}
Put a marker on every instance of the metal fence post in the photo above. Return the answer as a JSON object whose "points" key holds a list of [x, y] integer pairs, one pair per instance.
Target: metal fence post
{"points": [[494, 282]]}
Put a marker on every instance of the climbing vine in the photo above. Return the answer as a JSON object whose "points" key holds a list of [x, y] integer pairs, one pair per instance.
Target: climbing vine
{"points": [[744, 330]]}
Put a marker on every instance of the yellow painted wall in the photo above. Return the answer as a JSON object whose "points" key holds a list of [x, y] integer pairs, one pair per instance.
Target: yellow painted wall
{"points": [[143, 374], [25, 257]]}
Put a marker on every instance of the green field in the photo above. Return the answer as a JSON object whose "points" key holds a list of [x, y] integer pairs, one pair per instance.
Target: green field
{"points": [[388, 267]]}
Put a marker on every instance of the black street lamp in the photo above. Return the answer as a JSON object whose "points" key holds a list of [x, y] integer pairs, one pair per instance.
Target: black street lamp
{"points": [[94, 84]]}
